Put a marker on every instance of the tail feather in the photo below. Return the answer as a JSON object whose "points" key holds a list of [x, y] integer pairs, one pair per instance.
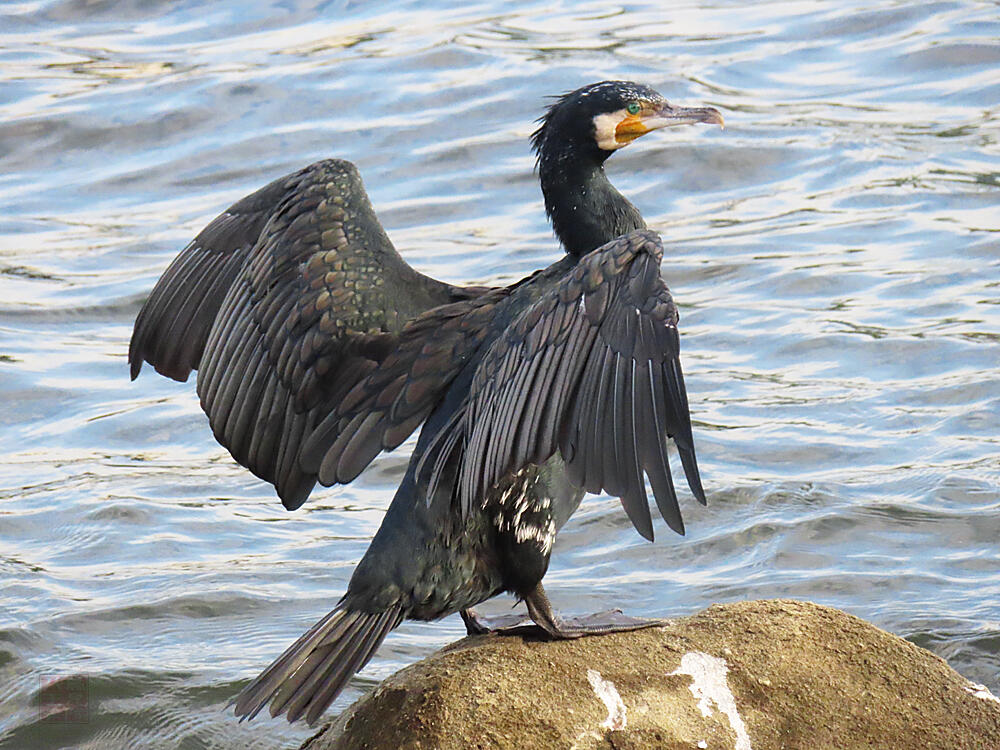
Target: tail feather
{"points": [[310, 674], [256, 695], [325, 668], [330, 688]]}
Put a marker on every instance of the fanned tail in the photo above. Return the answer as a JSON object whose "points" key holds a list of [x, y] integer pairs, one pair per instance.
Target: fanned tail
{"points": [[307, 678]]}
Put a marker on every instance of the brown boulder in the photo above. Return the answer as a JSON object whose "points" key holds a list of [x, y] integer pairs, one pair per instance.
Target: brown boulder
{"points": [[759, 675]]}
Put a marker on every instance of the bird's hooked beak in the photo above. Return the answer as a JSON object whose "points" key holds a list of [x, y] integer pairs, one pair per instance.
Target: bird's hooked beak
{"points": [[662, 116]]}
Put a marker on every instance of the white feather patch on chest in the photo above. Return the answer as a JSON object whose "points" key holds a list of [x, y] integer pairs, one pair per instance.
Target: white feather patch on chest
{"points": [[515, 511]]}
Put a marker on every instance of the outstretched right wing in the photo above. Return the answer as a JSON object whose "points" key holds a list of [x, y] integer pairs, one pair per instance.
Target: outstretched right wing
{"points": [[590, 369]]}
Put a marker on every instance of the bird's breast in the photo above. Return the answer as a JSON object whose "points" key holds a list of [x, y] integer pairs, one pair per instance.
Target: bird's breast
{"points": [[527, 509]]}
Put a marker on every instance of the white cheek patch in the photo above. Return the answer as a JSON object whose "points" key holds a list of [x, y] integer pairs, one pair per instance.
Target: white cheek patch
{"points": [[604, 130]]}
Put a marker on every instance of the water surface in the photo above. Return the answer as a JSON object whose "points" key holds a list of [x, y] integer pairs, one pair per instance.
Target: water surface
{"points": [[835, 253]]}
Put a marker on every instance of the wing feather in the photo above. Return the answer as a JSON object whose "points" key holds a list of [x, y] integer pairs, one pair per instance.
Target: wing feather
{"points": [[284, 303], [590, 369]]}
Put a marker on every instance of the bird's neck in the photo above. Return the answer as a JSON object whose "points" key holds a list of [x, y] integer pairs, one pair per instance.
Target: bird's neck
{"points": [[585, 209]]}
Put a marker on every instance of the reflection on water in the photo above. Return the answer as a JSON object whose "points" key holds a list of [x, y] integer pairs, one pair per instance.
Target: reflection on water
{"points": [[834, 252]]}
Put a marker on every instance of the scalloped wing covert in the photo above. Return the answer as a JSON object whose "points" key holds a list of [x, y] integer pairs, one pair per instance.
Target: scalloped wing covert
{"points": [[283, 303]]}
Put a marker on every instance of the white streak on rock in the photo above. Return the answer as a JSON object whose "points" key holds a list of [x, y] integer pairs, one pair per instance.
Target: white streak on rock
{"points": [[608, 693], [710, 687], [981, 691]]}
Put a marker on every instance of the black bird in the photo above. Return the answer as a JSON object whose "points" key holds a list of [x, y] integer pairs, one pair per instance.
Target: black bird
{"points": [[318, 347]]}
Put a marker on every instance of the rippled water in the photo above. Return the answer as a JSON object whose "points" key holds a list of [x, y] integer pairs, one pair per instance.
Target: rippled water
{"points": [[835, 252]]}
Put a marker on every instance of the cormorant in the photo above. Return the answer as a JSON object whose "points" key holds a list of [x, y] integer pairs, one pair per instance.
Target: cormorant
{"points": [[319, 347]]}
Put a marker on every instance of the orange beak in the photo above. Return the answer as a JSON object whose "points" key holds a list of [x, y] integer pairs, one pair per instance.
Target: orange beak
{"points": [[667, 115]]}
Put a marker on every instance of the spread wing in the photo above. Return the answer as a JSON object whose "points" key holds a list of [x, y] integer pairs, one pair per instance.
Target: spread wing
{"points": [[592, 370], [283, 304]]}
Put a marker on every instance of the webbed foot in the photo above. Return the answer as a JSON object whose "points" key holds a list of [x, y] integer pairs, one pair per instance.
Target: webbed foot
{"points": [[600, 623], [477, 624], [543, 618]]}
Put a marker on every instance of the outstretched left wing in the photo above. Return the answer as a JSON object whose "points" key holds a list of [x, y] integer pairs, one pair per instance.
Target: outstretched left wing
{"points": [[592, 370], [283, 304]]}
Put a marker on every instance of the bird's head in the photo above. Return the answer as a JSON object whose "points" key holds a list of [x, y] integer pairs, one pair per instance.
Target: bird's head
{"points": [[603, 117]]}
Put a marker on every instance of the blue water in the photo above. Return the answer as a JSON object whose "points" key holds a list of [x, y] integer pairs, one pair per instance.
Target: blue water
{"points": [[835, 252]]}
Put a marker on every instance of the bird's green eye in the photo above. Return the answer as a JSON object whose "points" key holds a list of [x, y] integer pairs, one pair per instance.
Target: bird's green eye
{"points": [[633, 108]]}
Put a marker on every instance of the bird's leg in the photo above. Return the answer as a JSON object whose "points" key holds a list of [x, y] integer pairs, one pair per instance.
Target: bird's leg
{"points": [[612, 621], [474, 624]]}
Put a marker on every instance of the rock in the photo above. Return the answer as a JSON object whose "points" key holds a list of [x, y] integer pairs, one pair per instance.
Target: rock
{"points": [[756, 675]]}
